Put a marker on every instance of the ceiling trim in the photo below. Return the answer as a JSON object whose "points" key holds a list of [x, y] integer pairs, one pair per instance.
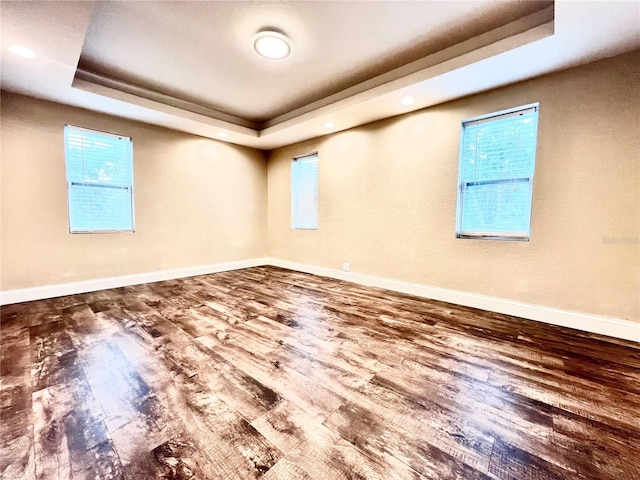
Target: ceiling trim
{"points": [[448, 60], [419, 69], [123, 95], [87, 80]]}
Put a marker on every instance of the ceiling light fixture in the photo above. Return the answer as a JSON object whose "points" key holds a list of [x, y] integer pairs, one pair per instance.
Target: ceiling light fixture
{"points": [[328, 125], [22, 51], [272, 45], [407, 100]]}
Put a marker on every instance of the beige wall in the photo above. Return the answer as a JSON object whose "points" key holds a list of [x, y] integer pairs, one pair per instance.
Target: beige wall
{"points": [[197, 201], [388, 197]]}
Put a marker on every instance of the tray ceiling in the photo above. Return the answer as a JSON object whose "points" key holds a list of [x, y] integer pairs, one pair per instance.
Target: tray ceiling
{"points": [[190, 66]]}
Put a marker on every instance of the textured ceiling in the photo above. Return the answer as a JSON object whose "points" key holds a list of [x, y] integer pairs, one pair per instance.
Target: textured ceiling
{"points": [[201, 52], [189, 66]]}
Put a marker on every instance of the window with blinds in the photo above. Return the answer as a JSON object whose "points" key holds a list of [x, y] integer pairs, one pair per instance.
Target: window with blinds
{"points": [[99, 181], [497, 159], [304, 192]]}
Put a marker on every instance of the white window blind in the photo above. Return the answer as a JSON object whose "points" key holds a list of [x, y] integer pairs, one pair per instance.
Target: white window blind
{"points": [[497, 159], [304, 192], [99, 181]]}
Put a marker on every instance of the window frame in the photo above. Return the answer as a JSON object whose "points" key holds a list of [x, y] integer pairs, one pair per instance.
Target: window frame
{"points": [[295, 223], [504, 236], [70, 184]]}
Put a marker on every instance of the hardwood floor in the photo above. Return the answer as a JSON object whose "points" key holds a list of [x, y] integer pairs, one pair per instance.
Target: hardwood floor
{"points": [[269, 373]]}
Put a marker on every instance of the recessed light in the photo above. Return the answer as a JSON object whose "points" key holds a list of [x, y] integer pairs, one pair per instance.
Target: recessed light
{"points": [[328, 125], [22, 51], [223, 135], [272, 45], [407, 100]]}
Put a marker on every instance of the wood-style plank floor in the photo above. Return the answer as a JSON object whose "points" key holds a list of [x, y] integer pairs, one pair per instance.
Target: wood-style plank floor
{"points": [[274, 374]]}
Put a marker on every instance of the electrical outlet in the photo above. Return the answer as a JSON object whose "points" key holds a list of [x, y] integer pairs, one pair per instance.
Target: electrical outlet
{"points": [[346, 266]]}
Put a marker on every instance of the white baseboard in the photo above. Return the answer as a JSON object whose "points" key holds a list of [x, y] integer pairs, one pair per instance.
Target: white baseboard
{"points": [[610, 326], [51, 291]]}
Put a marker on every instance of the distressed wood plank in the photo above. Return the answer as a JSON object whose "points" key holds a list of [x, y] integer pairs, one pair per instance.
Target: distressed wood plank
{"points": [[71, 439]]}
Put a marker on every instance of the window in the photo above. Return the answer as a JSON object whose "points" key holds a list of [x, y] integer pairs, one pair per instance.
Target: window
{"points": [[495, 179], [99, 181], [304, 192]]}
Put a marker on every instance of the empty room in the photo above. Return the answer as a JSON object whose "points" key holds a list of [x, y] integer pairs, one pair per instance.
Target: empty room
{"points": [[320, 240]]}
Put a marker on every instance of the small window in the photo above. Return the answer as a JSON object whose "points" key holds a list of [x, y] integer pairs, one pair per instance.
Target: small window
{"points": [[304, 192], [99, 181], [495, 179]]}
